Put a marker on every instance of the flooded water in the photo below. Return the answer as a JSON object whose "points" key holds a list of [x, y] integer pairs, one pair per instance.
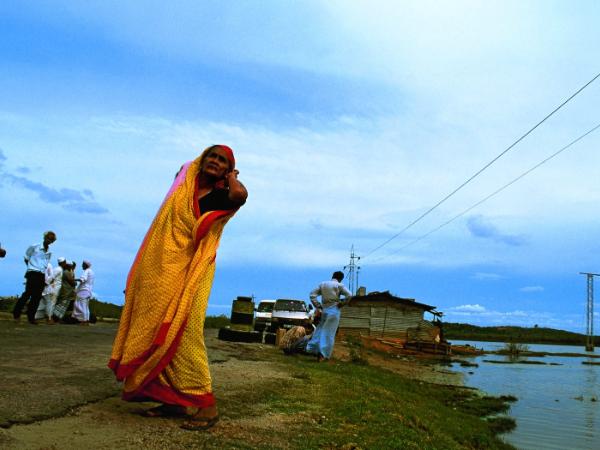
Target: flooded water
{"points": [[558, 406]]}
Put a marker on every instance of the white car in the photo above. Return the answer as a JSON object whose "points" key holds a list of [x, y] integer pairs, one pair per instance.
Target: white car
{"points": [[262, 318], [288, 313]]}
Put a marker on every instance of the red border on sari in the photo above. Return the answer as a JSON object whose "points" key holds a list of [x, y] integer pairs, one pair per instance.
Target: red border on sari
{"points": [[122, 371], [151, 388], [157, 392]]}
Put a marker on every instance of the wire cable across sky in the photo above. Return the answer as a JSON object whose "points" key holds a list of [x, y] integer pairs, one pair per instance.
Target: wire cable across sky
{"points": [[510, 183], [476, 174]]}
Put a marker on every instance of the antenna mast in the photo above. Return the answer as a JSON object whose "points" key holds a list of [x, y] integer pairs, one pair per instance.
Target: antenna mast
{"points": [[353, 270]]}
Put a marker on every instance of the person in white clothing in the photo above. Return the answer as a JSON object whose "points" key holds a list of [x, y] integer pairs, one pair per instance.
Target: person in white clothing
{"points": [[53, 284], [46, 293], [81, 309], [37, 257], [323, 339]]}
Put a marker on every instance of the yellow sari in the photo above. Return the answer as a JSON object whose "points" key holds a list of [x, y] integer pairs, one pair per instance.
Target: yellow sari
{"points": [[159, 349]]}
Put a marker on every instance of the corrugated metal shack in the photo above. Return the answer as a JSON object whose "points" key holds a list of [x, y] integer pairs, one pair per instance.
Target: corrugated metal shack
{"points": [[383, 315]]}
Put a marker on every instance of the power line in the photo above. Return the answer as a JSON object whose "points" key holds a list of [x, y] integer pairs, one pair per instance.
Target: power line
{"points": [[510, 183], [418, 219]]}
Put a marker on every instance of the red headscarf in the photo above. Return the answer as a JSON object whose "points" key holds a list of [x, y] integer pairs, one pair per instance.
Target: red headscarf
{"points": [[228, 153]]}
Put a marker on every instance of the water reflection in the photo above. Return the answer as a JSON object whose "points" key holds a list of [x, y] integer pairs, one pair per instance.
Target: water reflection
{"points": [[591, 375], [558, 405]]}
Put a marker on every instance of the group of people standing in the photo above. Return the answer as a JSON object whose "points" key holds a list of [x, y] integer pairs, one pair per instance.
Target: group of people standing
{"points": [[49, 291]]}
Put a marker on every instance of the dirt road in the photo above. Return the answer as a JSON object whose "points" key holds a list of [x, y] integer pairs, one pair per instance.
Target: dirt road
{"points": [[56, 392]]}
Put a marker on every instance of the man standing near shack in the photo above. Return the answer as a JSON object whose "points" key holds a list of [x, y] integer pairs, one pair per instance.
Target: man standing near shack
{"points": [[323, 339], [37, 258], [81, 310]]}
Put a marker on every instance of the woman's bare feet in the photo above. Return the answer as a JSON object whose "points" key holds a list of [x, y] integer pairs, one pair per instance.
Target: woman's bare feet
{"points": [[165, 410], [204, 419]]}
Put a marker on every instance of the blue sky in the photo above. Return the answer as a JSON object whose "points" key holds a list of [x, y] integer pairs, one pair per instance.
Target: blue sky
{"points": [[349, 120]]}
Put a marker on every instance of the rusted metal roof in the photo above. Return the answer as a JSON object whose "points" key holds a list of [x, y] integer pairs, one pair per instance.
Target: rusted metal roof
{"points": [[383, 297]]}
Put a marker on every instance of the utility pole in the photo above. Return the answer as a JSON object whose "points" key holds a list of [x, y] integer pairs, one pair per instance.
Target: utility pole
{"points": [[353, 270], [589, 340]]}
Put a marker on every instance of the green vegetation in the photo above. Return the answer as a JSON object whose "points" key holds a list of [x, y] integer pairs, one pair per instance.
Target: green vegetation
{"points": [[100, 309], [501, 424], [520, 361], [8, 303], [344, 406], [216, 321], [104, 310], [514, 349], [356, 350], [535, 335]]}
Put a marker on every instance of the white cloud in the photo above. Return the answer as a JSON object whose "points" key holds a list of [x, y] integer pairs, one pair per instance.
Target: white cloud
{"points": [[532, 289], [484, 276], [309, 202], [479, 315], [477, 309]]}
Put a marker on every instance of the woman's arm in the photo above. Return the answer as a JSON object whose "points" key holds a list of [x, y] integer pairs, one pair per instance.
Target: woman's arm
{"points": [[237, 191]]}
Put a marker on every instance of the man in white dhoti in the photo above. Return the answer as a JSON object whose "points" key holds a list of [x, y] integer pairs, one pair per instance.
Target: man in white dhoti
{"points": [[53, 284], [323, 339], [81, 310]]}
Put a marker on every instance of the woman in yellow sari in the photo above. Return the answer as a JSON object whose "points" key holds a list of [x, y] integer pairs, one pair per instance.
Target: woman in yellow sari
{"points": [[159, 349]]}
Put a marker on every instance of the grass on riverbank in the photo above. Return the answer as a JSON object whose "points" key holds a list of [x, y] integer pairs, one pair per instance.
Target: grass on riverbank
{"points": [[534, 335], [345, 405]]}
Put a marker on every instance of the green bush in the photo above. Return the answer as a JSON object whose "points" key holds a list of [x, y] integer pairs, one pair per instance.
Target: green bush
{"points": [[514, 348], [356, 350], [220, 321], [8, 303]]}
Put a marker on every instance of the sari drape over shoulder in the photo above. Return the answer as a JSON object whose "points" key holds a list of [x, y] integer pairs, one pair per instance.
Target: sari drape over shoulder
{"points": [[159, 349]]}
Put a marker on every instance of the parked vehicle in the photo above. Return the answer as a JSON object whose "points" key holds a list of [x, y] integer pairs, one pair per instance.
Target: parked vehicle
{"points": [[262, 318], [288, 313], [242, 313], [241, 327]]}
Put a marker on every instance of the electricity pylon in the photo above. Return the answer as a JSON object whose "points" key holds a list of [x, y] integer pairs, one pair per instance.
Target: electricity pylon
{"points": [[353, 270], [589, 339]]}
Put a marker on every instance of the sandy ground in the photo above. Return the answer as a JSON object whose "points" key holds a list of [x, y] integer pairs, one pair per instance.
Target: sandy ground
{"points": [[56, 392]]}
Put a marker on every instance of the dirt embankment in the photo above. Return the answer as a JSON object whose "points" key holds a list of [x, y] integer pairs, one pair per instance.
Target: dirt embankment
{"points": [[56, 393]]}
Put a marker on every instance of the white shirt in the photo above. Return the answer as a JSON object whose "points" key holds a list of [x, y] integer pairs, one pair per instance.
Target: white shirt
{"points": [[36, 258], [330, 292], [57, 279], [49, 279], [84, 290]]}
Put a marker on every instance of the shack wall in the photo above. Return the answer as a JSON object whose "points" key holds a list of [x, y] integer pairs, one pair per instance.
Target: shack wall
{"points": [[388, 321]]}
